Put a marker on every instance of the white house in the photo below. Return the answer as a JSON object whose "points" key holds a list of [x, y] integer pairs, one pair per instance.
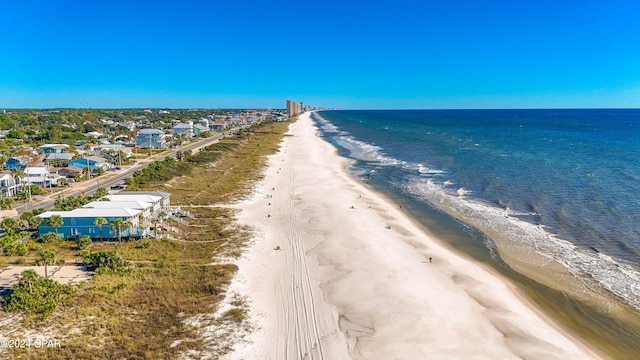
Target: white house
{"points": [[8, 185], [37, 175]]}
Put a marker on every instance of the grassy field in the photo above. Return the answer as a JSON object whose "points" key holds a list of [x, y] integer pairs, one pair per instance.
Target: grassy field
{"points": [[141, 312]]}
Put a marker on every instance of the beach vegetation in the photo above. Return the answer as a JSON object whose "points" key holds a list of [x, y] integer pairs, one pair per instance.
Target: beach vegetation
{"points": [[142, 293], [37, 295]]}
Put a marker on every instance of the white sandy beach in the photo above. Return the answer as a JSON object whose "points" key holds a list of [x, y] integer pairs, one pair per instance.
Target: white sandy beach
{"points": [[344, 286]]}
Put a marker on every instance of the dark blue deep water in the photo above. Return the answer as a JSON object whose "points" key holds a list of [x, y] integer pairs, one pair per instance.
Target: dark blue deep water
{"points": [[563, 182]]}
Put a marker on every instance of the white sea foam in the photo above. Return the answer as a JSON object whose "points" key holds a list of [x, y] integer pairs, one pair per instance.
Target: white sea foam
{"points": [[618, 277]]}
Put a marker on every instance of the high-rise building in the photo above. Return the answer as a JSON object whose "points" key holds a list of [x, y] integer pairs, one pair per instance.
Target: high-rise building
{"points": [[293, 108]]}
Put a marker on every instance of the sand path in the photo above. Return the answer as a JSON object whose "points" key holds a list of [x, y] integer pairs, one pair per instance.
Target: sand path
{"points": [[354, 278]]}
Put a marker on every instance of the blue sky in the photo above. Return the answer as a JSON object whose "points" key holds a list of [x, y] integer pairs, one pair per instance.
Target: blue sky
{"points": [[347, 54]]}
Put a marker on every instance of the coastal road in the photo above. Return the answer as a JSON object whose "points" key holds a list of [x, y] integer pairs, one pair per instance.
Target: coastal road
{"points": [[90, 186]]}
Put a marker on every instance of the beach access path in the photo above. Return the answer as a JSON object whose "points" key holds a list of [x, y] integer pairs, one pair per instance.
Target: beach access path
{"points": [[335, 271]]}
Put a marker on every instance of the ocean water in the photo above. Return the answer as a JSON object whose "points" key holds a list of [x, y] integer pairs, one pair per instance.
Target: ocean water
{"points": [[563, 183]]}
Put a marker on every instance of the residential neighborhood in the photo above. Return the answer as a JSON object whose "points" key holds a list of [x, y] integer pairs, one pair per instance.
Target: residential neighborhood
{"points": [[93, 143]]}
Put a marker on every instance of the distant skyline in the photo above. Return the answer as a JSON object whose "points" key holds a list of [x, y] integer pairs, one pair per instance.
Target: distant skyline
{"points": [[401, 54]]}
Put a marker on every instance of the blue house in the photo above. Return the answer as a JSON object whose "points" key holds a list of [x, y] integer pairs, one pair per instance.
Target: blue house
{"points": [[17, 162], [151, 139], [79, 222], [82, 163]]}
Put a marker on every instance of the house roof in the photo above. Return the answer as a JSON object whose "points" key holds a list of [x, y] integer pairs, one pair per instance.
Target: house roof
{"points": [[36, 170], [70, 170], [131, 204], [183, 126], [61, 156], [21, 159], [152, 192], [54, 146], [150, 132], [132, 197], [97, 159], [90, 213]]}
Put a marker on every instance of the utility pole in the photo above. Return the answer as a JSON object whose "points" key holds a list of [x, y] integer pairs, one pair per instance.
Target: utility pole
{"points": [[88, 168]]}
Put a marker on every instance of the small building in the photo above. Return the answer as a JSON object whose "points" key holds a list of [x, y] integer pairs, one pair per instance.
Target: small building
{"points": [[151, 139], [79, 222], [17, 162], [53, 148]]}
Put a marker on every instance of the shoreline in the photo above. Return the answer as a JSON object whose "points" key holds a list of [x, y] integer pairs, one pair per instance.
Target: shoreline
{"points": [[354, 277]]}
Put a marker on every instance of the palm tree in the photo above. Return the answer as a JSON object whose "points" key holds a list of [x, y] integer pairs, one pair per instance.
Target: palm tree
{"points": [[6, 203], [9, 224], [29, 277], [117, 225], [99, 221], [25, 216], [34, 222], [127, 225], [55, 221], [47, 257]]}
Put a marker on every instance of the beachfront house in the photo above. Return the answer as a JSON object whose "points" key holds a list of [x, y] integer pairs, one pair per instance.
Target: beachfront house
{"points": [[53, 148], [79, 222], [151, 139]]}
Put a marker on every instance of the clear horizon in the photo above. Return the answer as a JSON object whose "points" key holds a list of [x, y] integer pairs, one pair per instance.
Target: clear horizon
{"points": [[376, 55]]}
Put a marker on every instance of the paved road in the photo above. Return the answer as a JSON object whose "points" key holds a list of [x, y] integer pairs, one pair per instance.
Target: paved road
{"points": [[106, 181]]}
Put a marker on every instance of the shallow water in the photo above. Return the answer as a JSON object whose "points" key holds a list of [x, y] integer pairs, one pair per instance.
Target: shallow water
{"points": [[501, 185]]}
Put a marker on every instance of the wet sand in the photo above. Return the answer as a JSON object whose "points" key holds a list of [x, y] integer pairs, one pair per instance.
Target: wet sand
{"points": [[338, 272]]}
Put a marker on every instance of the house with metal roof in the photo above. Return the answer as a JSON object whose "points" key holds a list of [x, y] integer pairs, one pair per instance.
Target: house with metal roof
{"points": [[145, 207], [53, 148], [65, 156], [79, 222]]}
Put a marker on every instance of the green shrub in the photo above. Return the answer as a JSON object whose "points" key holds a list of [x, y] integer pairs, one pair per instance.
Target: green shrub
{"points": [[104, 261], [48, 237], [34, 294]]}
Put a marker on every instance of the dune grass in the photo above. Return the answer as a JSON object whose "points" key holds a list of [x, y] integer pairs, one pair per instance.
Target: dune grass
{"points": [[140, 313]]}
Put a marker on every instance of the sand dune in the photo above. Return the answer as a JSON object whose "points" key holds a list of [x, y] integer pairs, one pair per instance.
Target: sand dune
{"points": [[354, 278]]}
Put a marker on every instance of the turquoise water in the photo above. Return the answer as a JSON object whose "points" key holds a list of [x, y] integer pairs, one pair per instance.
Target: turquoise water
{"points": [[565, 183]]}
